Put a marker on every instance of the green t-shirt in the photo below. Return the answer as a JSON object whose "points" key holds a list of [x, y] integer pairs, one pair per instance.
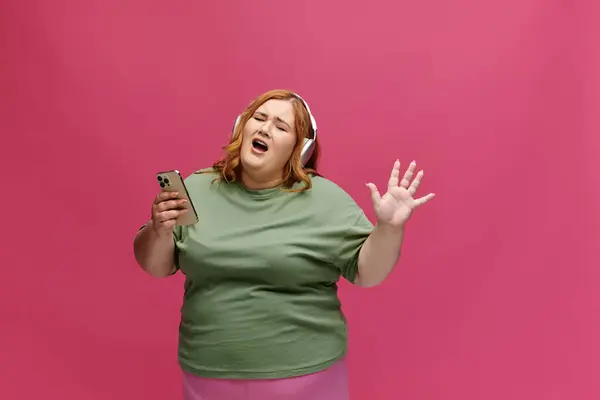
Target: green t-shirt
{"points": [[261, 269]]}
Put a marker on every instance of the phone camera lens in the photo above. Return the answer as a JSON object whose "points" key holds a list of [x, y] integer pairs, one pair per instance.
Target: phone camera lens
{"points": [[166, 181], [162, 185], [159, 178]]}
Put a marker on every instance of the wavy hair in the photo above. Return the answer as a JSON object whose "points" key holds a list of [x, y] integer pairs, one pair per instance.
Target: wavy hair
{"points": [[229, 167]]}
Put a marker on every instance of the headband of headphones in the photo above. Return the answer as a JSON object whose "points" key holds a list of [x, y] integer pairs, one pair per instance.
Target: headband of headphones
{"points": [[308, 147]]}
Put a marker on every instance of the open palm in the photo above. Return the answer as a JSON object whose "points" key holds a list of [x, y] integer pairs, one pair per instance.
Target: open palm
{"points": [[396, 206]]}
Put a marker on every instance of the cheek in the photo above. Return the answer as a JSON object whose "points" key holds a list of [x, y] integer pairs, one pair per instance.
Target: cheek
{"points": [[286, 146], [246, 135]]}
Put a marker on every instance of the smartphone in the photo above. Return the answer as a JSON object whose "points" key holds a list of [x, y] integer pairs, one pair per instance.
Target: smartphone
{"points": [[171, 181]]}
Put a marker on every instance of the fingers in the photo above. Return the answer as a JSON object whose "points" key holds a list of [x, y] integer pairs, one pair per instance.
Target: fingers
{"points": [[408, 175], [167, 208], [415, 184], [424, 199], [393, 182], [162, 196], [170, 205], [375, 196], [169, 215]]}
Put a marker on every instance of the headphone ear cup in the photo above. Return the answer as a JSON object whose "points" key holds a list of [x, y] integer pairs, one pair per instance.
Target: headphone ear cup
{"points": [[235, 124], [307, 151]]}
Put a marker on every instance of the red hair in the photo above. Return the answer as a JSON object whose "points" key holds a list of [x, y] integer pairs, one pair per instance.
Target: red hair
{"points": [[229, 167]]}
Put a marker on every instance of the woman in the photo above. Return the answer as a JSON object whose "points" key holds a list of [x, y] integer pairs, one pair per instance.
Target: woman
{"points": [[261, 318]]}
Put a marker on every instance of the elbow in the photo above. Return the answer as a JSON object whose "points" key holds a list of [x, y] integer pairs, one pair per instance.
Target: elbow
{"points": [[157, 270], [159, 273], [368, 276], [152, 268], [365, 282]]}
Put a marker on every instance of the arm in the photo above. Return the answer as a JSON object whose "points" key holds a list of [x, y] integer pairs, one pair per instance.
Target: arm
{"points": [[154, 245], [381, 251], [378, 255], [153, 252]]}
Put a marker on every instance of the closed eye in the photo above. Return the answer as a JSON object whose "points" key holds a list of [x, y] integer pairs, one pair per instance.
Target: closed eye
{"points": [[262, 118]]}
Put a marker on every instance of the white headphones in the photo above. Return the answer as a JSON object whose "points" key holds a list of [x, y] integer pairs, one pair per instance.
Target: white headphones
{"points": [[309, 144]]}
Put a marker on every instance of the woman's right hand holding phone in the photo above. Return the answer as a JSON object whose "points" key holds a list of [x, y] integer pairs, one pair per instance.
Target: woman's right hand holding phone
{"points": [[165, 211]]}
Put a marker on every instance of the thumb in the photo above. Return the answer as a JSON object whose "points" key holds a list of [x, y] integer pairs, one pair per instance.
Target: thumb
{"points": [[375, 196]]}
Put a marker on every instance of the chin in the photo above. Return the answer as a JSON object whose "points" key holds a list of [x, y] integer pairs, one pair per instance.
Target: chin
{"points": [[250, 160]]}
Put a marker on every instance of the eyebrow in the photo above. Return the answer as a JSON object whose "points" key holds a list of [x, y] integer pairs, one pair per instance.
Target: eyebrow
{"points": [[277, 118]]}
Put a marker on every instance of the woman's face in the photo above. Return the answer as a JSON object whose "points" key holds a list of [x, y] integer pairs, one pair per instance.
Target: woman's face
{"points": [[268, 140]]}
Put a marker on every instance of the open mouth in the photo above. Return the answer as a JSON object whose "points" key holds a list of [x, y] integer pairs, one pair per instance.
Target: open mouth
{"points": [[259, 145]]}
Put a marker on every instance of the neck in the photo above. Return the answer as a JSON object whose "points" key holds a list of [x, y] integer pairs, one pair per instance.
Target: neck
{"points": [[251, 182]]}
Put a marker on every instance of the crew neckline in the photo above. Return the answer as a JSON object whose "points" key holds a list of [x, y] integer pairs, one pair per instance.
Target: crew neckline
{"points": [[260, 193]]}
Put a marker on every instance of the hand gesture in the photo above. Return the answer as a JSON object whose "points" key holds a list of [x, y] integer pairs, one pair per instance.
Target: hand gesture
{"points": [[396, 206], [165, 210]]}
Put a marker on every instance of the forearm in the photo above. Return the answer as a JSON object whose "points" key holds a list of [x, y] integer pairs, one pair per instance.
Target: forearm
{"points": [[154, 253], [378, 255]]}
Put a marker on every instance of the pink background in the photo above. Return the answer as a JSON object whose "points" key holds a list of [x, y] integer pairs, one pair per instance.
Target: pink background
{"points": [[497, 294]]}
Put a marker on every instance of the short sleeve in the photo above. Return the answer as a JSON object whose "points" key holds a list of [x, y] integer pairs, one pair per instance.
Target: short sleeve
{"points": [[177, 238], [347, 255]]}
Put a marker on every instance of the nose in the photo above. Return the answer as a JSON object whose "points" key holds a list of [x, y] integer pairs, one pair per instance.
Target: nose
{"points": [[264, 129]]}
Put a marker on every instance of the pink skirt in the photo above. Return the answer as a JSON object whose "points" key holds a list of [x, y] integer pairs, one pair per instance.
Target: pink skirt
{"points": [[329, 384]]}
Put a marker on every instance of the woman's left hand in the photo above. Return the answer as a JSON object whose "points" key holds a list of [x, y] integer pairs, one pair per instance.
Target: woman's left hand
{"points": [[394, 208]]}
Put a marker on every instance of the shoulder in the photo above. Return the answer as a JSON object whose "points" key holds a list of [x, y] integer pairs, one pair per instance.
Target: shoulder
{"points": [[202, 174], [201, 179], [329, 198], [323, 188], [333, 205]]}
